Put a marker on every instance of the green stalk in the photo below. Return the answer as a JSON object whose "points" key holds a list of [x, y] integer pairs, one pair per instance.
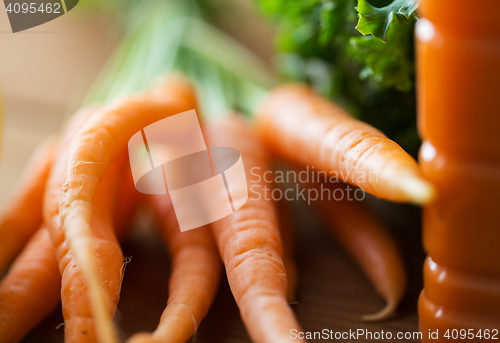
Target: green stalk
{"points": [[145, 52], [170, 35]]}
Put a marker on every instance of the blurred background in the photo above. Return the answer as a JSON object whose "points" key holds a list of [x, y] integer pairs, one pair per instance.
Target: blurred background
{"points": [[45, 73]]}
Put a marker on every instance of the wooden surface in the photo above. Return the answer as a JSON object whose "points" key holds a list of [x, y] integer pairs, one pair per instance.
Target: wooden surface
{"points": [[43, 75]]}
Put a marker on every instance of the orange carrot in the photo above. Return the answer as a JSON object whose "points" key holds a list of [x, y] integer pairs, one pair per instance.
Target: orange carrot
{"points": [[250, 244], [126, 203], [305, 128], [99, 141], [24, 214], [79, 322], [288, 238], [30, 290], [37, 272], [368, 242], [194, 279], [36, 269]]}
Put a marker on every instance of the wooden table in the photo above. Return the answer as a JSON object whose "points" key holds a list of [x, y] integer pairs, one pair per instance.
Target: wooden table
{"points": [[44, 73]]}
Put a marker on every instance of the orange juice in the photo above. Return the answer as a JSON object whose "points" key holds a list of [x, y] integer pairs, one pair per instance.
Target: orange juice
{"points": [[458, 78]]}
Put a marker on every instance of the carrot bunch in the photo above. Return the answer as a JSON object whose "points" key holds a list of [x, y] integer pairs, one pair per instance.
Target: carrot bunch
{"points": [[65, 221], [83, 198], [83, 267]]}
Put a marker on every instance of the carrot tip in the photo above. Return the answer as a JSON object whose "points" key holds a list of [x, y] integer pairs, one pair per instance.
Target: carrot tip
{"points": [[418, 191], [385, 313]]}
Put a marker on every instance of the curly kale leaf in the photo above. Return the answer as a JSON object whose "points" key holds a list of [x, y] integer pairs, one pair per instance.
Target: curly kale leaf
{"points": [[387, 64], [318, 43], [377, 21]]}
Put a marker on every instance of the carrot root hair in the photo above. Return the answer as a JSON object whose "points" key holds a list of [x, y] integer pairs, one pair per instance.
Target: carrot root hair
{"points": [[386, 313]]}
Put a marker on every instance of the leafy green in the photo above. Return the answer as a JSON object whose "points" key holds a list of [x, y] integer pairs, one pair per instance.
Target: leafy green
{"points": [[376, 21], [387, 64], [318, 43], [374, 80]]}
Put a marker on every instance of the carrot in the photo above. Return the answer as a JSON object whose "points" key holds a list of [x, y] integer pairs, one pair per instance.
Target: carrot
{"points": [[288, 238], [368, 242], [24, 214], [27, 293], [30, 290], [79, 322], [305, 128], [99, 141], [250, 244], [194, 279]]}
